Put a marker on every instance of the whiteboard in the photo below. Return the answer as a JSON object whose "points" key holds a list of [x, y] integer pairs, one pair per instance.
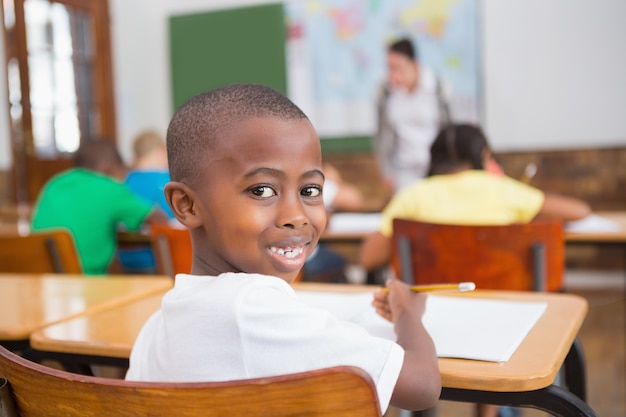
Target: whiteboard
{"points": [[554, 73]]}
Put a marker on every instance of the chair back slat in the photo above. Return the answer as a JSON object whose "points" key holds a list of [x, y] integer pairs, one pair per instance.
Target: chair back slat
{"points": [[52, 251], [41, 391], [503, 257], [172, 249]]}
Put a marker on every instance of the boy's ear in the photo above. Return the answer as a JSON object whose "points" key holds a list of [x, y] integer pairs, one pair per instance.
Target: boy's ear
{"points": [[182, 201]]}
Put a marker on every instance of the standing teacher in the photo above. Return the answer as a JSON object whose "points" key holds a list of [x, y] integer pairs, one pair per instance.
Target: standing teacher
{"points": [[411, 109]]}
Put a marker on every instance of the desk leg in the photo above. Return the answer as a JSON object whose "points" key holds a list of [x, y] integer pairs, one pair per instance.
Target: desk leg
{"points": [[554, 400], [575, 376]]}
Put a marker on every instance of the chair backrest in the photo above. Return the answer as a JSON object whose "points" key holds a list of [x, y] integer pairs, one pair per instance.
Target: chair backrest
{"points": [[41, 391], [172, 249], [506, 257], [52, 251]]}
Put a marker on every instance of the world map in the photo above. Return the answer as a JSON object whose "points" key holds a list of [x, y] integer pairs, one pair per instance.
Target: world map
{"points": [[336, 53]]}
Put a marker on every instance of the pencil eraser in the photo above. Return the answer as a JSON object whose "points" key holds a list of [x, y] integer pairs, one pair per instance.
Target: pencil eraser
{"points": [[467, 286]]}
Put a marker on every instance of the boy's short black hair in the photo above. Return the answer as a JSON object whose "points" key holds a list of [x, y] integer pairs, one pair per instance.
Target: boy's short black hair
{"points": [[93, 154], [198, 123], [456, 145], [405, 47]]}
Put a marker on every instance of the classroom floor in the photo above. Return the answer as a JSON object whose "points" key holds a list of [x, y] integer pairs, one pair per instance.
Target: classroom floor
{"points": [[603, 339]]}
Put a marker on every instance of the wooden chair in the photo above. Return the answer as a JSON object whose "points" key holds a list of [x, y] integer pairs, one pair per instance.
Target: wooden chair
{"points": [[506, 257], [517, 257], [172, 249], [36, 390], [51, 251]]}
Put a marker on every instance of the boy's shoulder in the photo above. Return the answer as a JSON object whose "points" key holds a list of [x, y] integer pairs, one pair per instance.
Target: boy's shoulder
{"points": [[225, 294], [237, 282]]}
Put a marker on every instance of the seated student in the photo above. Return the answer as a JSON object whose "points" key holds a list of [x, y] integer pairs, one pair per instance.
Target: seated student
{"points": [[149, 174], [459, 190], [90, 201], [464, 186], [146, 179], [247, 181]]}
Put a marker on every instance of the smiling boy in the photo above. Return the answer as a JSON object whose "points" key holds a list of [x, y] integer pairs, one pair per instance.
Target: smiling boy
{"points": [[247, 181]]}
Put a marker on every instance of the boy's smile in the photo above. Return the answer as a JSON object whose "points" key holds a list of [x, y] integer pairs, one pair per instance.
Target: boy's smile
{"points": [[259, 195]]}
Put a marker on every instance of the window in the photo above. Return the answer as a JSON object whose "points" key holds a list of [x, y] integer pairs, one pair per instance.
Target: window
{"points": [[60, 84]]}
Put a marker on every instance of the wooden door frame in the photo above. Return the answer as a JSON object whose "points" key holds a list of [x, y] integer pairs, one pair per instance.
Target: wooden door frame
{"points": [[29, 173]]}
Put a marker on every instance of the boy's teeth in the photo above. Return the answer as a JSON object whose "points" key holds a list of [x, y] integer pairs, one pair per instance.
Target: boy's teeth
{"points": [[289, 253]]}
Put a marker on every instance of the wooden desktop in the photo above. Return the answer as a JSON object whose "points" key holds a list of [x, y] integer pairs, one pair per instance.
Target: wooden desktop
{"points": [[347, 241], [31, 301], [525, 380]]}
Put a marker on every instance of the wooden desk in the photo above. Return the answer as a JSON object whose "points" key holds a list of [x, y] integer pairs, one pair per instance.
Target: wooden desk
{"points": [[31, 301], [356, 236], [107, 334], [618, 237], [525, 380], [347, 243], [603, 239]]}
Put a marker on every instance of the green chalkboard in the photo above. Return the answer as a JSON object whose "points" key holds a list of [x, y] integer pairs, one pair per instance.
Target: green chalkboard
{"points": [[212, 49], [209, 50]]}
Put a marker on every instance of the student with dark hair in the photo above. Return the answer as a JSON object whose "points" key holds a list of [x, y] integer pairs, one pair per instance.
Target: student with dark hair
{"points": [[411, 108], [91, 201], [459, 190], [462, 189], [247, 181]]}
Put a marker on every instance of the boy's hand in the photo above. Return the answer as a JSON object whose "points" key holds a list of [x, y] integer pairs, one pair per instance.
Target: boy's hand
{"points": [[419, 384], [398, 300]]}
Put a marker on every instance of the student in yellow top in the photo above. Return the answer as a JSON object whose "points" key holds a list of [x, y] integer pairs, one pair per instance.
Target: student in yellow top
{"points": [[247, 181], [461, 190], [465, 186]]}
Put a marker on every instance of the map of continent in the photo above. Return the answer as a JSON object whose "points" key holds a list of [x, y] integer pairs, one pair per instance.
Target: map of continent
{"points": [[337, 49]]}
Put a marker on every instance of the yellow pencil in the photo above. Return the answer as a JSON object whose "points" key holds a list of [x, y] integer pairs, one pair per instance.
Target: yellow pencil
{"points": [[461, 286]]}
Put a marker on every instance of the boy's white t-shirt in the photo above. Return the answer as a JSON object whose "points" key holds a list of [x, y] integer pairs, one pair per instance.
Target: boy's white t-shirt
{"points": [[239, 326]]}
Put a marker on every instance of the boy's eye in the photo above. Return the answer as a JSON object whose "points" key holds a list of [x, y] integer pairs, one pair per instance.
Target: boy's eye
{"points": [[263, 191], [313, 191]]}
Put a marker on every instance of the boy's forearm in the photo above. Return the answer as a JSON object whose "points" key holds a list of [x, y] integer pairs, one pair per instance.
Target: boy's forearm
{"points": [[419, 384], [413, 337]]}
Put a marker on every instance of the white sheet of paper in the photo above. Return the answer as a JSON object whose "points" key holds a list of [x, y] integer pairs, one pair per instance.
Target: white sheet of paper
{"points": [[353, 222], [469, 328], [593, 224]]}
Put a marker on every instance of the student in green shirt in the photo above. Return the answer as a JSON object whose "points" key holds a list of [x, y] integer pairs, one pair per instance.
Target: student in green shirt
{"points": [[91, 201]]}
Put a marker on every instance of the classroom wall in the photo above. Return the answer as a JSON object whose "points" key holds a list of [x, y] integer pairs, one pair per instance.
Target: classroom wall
{"points": [[141, 60], [552, 71]]}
